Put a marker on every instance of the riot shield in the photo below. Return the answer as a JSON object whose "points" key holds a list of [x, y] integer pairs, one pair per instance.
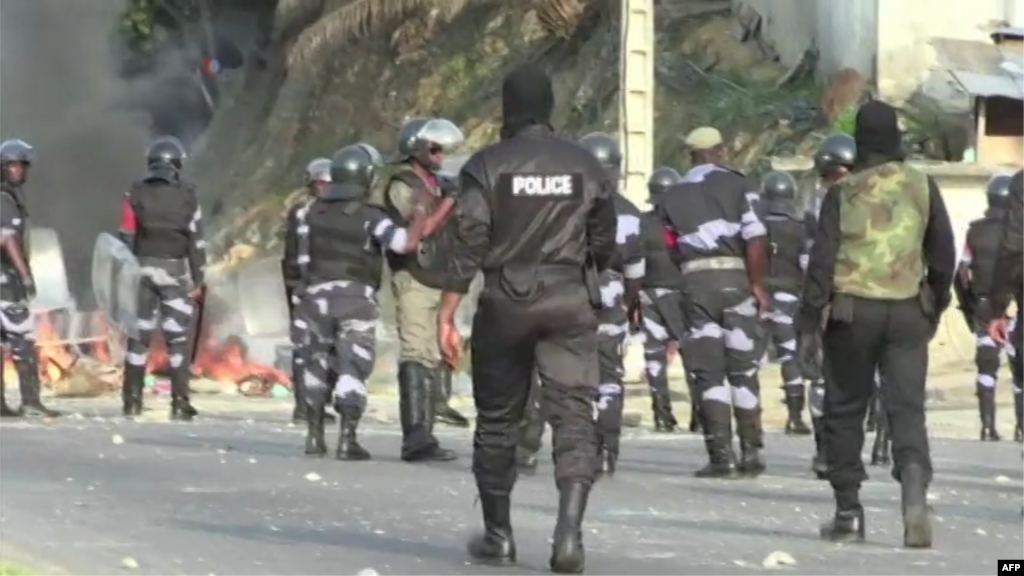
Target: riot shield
{"points": [[116, 282], [261, 298], [47, 262], [452, 164]]}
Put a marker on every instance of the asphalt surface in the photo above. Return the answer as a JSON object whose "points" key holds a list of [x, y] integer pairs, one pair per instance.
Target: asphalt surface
{"points": [[234, 495]]}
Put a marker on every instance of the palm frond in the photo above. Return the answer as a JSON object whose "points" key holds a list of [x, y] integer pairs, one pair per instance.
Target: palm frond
{"points": [[357, 19], [289, 12], [560, 17]]}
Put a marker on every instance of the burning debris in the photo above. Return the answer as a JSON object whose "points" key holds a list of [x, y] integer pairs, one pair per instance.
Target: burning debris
{"points": [[73, 364]]}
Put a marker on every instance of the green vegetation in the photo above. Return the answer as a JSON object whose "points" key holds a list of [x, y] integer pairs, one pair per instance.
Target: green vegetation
{"points": [[14, 569]]}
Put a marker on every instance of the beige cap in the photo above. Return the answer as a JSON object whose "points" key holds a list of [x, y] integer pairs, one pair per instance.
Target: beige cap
{"points": [[703, 138]]}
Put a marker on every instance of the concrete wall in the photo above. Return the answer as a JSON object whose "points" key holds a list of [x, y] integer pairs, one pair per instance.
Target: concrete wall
{"points": [[847, 35]]}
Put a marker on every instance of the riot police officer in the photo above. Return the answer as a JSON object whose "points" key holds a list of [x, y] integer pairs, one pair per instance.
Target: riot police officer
{"points": [[17, 287], [340, 240], [977, 265], [317, 179], [620, 302], [403, 187], [163, 225], [717, 237], [832, 161], [533, 211], [787, 258], [662, 315]]}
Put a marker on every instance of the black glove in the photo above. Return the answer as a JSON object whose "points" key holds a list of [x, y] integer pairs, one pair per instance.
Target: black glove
{"points": [[808, 348], [449, 186]]}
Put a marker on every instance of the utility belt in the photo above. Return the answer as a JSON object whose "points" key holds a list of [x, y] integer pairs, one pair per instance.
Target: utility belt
{"points": [[713, 263], [840, 307], [525, 282]]}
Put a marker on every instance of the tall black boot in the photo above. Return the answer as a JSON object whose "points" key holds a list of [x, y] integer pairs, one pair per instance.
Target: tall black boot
{"points": [[132, 386], [695, 419], [181, 407], [987, 410], [567, 555], [316, 405], [917, 526], [748, 428], [348, 445], [496, 545], [1018, 411], [716, 421], [661, 406], [845, 526], [443, 394], [416, 409], [819, 465], [795, 423], [28, 383]]}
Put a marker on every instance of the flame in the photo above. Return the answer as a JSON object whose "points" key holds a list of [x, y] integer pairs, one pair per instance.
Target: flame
{"points": [[225, 361]]}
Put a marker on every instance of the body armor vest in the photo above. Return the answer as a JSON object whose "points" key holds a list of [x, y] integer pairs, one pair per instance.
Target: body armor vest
{"points": [[983, 239], [340, 245], [787, 242], [163, 216], [12, 289], [883, 216], [660, 272], [428, 264]]}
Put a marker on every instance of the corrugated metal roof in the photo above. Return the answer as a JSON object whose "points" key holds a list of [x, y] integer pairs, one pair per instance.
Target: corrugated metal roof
{"points": [[981, 68]]}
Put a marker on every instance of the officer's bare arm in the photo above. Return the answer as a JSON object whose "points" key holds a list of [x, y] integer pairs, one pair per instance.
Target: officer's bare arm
{"points": [[470, 244], [437, 219], [602, 224]]}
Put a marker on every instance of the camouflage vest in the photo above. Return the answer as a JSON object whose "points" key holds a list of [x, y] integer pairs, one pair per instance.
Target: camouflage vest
{"points": [[883, 214]]}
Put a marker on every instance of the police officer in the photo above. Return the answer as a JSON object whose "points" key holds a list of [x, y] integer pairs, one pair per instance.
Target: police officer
{"points": [[534, 210], [977, 263], [787, 258], [720, 242], [883, 262], [833, 161], [416, 280], [163, 225], [620, 302], [662, 315], [17, 288], [339, 254], [317, 180]]}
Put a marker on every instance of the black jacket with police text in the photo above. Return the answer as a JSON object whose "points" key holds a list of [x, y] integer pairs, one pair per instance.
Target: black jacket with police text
{"points": [[531, 198]]}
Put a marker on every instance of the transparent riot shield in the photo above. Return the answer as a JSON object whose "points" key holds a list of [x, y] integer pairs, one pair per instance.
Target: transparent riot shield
{"points": [[116, 283], [46, 259], [261, 299]]}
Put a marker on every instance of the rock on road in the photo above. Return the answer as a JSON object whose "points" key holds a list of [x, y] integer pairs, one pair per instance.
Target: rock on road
{"points": [[234, 495]]}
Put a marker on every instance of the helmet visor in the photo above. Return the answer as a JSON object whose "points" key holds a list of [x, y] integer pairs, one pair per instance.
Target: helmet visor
{"points": [[442, 134]]}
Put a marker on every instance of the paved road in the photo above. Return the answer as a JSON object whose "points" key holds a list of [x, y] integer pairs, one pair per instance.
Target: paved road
{"points": [[234, 496]]}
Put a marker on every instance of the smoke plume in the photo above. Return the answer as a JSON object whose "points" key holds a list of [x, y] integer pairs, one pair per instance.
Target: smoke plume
{"points": [[60, 91]]}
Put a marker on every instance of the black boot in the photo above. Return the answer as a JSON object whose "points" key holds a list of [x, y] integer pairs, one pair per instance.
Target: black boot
{"points": [[496, 545], [1018, 411], [716, 420], [795, 423], [987, 410], [845, 526], [416, 408], [316, 405], [5, 410], [880, 452], [917, 526], [567, 556], [748, 428], [661, 405], [181, 408], [695, 419], [608, 462], [132, 387], [442, 396], [28, 383], [819, 465], [348, 446]]}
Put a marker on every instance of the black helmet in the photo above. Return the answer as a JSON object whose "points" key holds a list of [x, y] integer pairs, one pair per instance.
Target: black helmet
{"points": [[837, 151], [16, 150], [319, 170], [661, 179], [604, 148], [779, 191], [997, 192], [352, 169], [166, 150], [422, 138]]}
